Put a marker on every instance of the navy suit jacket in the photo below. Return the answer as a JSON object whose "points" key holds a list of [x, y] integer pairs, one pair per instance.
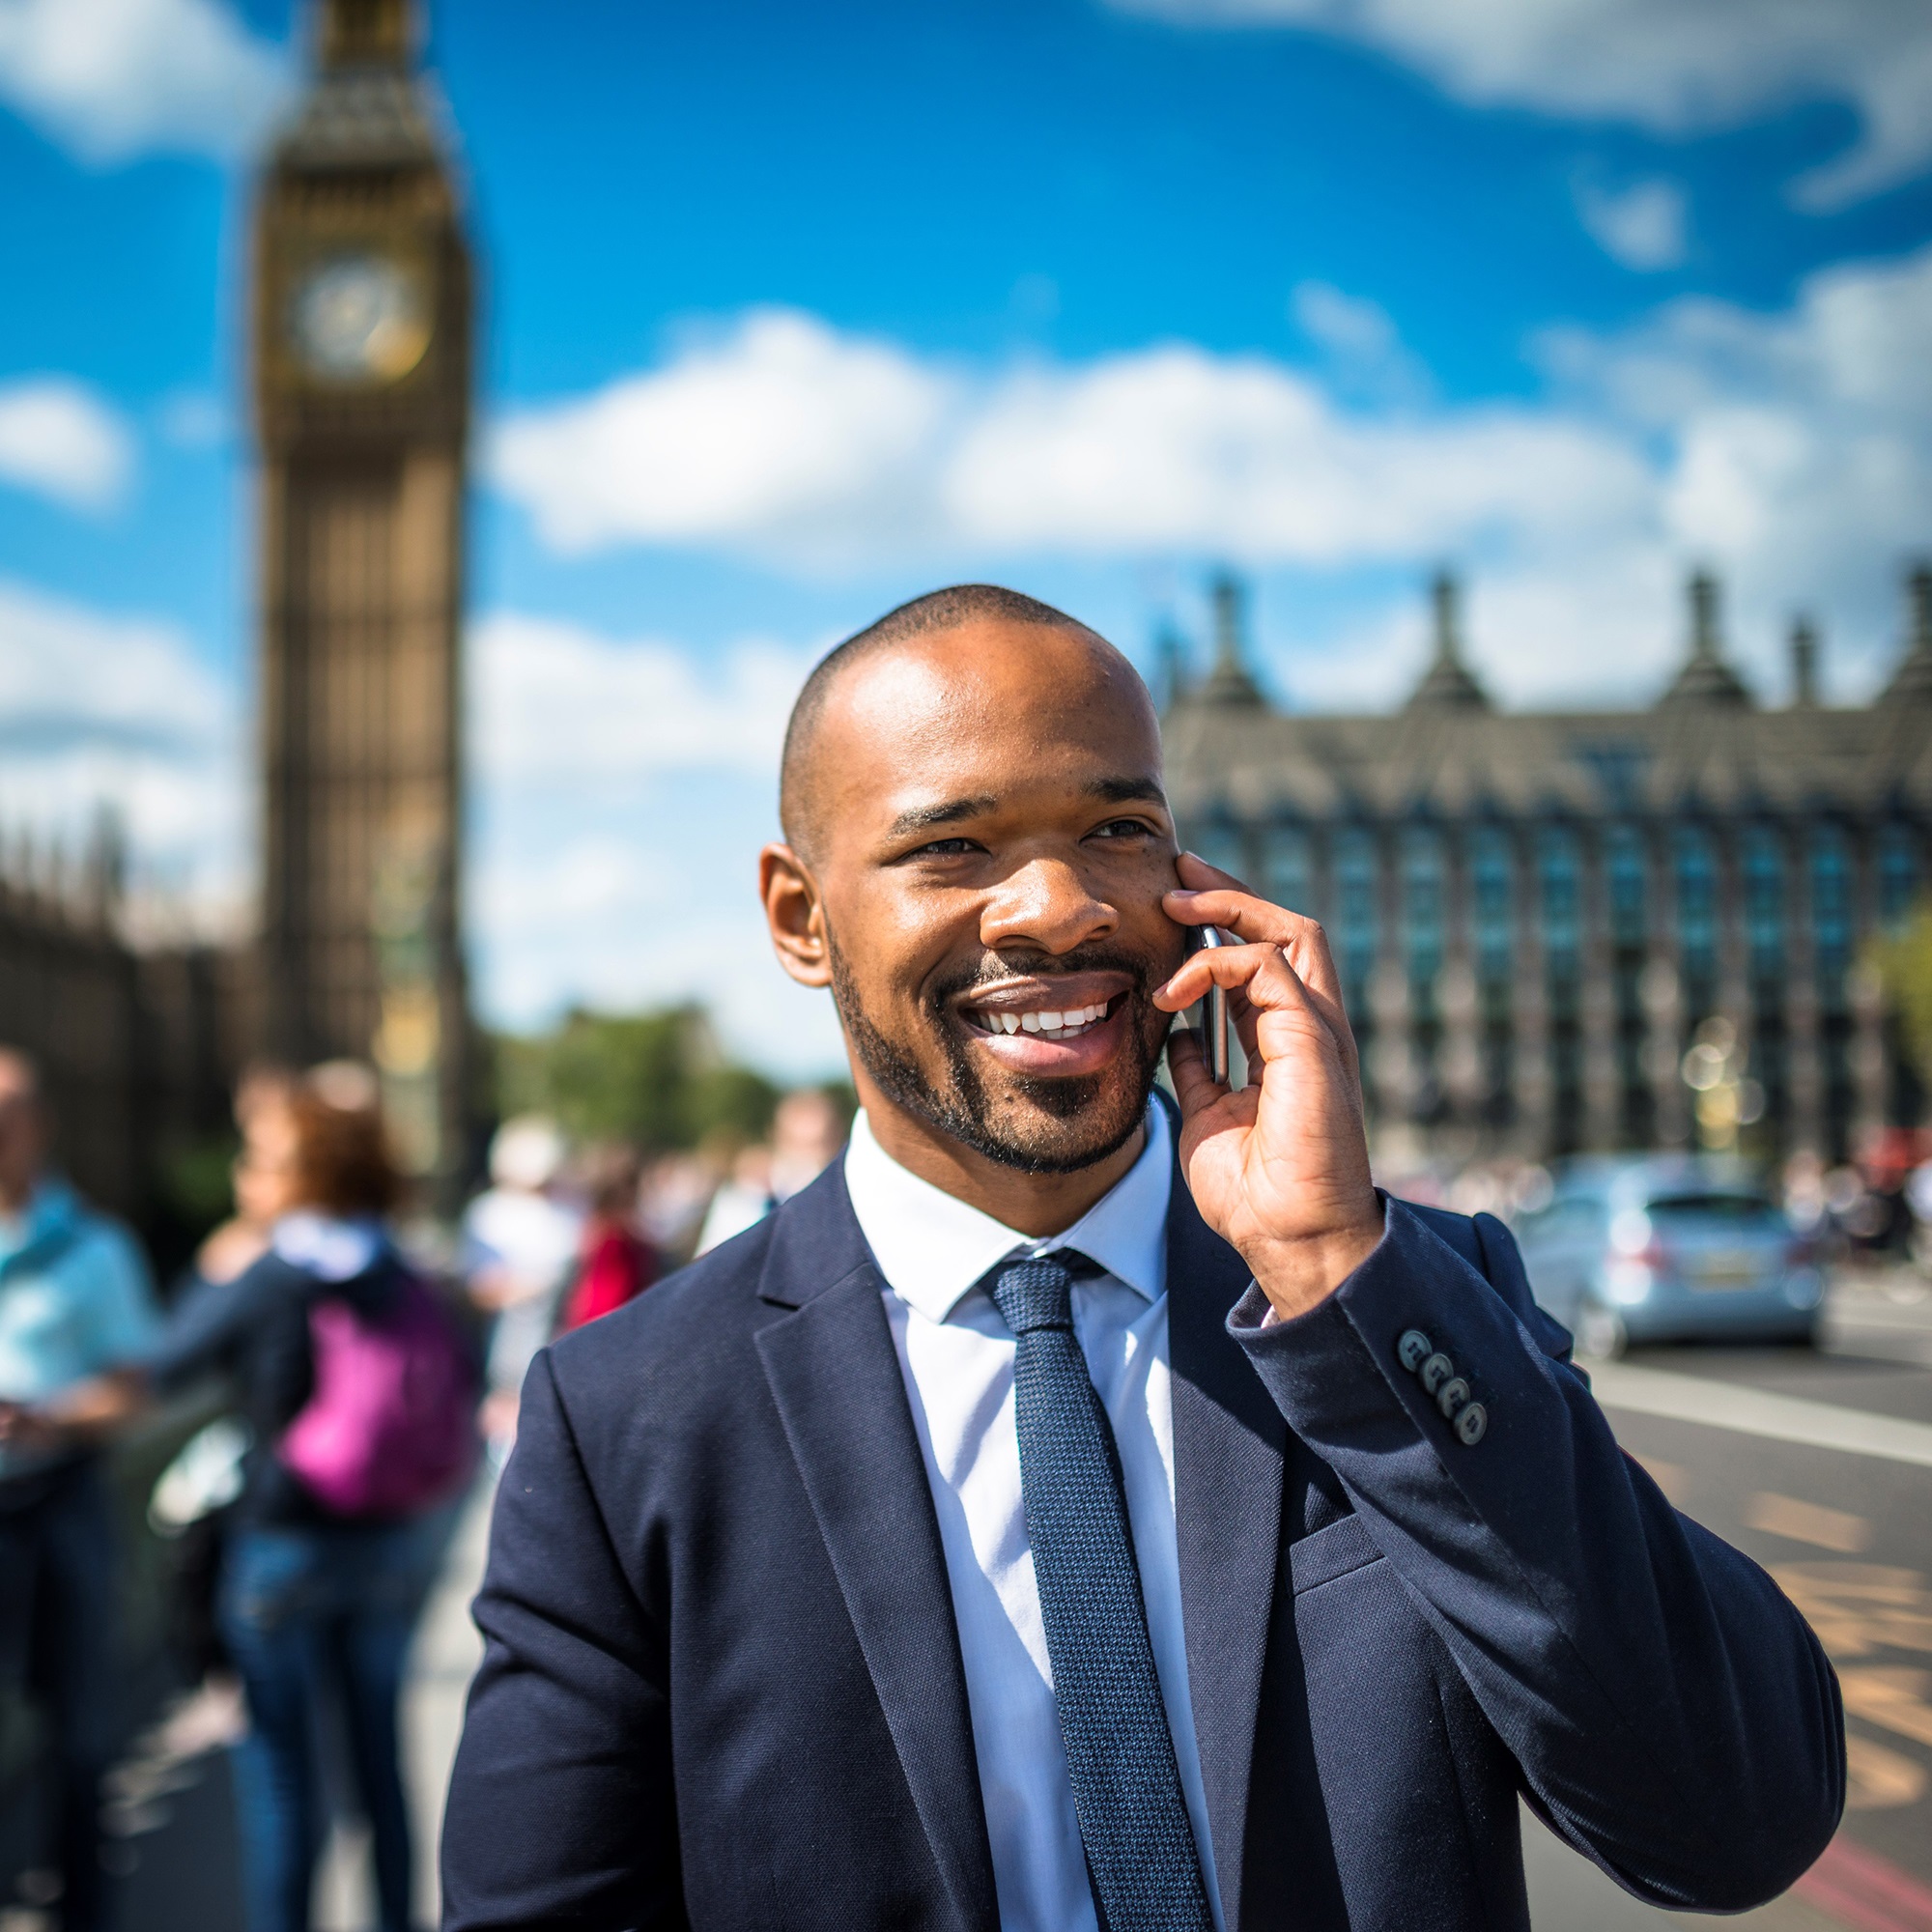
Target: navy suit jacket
{"points": [[721, 1687]]}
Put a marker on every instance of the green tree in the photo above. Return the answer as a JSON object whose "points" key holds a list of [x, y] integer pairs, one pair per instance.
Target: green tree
{"points": [[655, 1079], [1905, 963]]}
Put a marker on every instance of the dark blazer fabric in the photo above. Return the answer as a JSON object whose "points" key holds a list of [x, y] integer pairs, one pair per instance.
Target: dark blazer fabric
{"points": [[721, 1687]]}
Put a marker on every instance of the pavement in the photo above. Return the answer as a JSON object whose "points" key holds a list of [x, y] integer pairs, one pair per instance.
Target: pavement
{"points": [[1818, 1464]]}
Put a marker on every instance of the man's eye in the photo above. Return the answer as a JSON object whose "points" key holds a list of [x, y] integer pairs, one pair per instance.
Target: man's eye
{"points": [[1124, 828], [947, 848]]}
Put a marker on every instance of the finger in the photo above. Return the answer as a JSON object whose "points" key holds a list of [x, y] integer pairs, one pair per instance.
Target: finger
{"points": [[1256, 921], [1245, 969], [1251, 918], [1196, 874], [1194, 1086]]}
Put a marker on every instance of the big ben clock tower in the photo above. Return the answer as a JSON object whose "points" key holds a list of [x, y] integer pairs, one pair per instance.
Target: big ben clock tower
{"points": [[361, 319]]}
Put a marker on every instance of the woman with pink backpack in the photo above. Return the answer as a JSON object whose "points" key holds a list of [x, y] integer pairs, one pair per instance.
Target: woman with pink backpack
{"points": [[359, 1395]]}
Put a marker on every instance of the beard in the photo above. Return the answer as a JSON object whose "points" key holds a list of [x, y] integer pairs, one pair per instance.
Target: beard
{"points": [[1037, 1125]]}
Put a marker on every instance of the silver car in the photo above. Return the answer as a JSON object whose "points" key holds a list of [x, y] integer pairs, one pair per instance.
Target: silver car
{"points": [[1666, 1249]]}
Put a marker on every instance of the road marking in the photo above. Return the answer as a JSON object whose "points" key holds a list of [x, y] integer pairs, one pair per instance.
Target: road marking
{"points": [[1805, 1523], [1880, 1780], [1757, 1411], [1860, 1608], [1894, 1699], [1860, 1889]]}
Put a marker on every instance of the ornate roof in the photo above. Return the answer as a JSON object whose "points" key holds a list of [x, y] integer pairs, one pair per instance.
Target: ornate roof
{"points": [[1707, 747]]}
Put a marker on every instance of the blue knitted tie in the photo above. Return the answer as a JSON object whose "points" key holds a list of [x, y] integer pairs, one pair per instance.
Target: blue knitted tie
{"points": [[1141, 1857]]}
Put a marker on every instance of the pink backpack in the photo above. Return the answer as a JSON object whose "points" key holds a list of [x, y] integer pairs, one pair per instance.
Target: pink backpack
{"points": [[389, 1429]]}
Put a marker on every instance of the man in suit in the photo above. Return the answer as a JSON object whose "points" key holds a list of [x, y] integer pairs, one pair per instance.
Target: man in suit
{"points": [[1070, 1511]]}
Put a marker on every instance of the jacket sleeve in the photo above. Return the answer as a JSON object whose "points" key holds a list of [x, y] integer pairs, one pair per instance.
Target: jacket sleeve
{"points": [[1675, 1717], [560, 1810]]}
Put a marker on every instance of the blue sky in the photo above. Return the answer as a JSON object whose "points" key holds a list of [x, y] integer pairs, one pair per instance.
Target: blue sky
{"points": [[791, 313]]}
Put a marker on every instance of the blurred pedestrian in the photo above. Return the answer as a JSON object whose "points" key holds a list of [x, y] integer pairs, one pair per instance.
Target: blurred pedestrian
{"points": [[361, 1413], [807, 1131], [520, 1250], [673, 1197], [76, 1311], [615, 1264]]}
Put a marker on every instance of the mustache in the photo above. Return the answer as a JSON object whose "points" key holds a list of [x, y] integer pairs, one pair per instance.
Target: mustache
{"points": [[995, 967]]}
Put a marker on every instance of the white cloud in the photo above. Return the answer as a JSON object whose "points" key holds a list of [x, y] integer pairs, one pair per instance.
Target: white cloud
{"points": [[1363, 354], [552, 700], [624, 789], [103, 710], [1792, 450], [784, 434], [60, 439], [784, 440], [1642, 226], [1674, 66], [114, 78]]}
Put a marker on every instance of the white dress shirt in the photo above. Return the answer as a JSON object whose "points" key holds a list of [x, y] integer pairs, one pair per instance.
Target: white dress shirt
{"points": [[956, 1356]]}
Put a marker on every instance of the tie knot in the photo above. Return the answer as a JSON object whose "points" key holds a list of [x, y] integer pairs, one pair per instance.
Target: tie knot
{"points": [[1034, 1292]]}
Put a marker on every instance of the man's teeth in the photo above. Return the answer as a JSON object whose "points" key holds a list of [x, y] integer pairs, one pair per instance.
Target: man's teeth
{"points": [[1065, 1025]]}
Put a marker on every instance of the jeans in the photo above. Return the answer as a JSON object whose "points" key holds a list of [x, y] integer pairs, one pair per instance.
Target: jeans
{"points": [[57, 1598], [309, 1613]]}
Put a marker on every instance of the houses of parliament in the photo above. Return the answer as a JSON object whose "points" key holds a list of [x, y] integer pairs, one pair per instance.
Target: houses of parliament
{"points": [[1555, 932], [1561, 933]]}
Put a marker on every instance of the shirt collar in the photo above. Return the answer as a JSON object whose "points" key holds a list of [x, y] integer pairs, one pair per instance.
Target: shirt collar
{"points": [[931, 1248]]}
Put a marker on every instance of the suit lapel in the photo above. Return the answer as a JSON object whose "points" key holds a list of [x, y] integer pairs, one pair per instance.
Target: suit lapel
{"points": [[1228, 1453], [835, 1376]]}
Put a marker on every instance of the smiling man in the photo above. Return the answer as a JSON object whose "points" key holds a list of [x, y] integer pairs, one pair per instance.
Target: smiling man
{"points": [[1074, 1512]]}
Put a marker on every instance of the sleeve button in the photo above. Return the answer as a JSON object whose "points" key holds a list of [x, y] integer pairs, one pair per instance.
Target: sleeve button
{"points": [[1436, 1371], [1452, 1396], [1471, 1423], [1413, 1350]]}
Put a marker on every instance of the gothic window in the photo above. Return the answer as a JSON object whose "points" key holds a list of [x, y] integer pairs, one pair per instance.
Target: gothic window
{"points": [[1355, 916], [1422, 911], [1764, 913], [1625, 865], [1220, 842], [1287, 872], [1897, 875], [1492, 866], [1558, 877], [1832, 912], [1697, 918]]}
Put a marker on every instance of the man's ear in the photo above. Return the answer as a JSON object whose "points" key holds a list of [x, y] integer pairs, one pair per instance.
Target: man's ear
{"points": [[796, 916]]}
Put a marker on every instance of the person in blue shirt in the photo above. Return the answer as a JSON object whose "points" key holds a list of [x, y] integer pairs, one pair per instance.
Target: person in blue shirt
{"points": [[77, 1312]]}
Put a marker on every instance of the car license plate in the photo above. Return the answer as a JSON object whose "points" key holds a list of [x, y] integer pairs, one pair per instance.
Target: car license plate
{"points": [[1725, 1268]]}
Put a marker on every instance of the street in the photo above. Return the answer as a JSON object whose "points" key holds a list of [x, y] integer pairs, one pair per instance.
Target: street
{"points": [[1736, 1437]]}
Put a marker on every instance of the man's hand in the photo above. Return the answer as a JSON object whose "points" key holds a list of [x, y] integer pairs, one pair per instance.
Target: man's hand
{"points": [[1280, 1169]]}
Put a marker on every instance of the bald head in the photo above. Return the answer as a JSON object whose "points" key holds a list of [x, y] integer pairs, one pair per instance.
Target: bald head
{"points": [[992, 614]]}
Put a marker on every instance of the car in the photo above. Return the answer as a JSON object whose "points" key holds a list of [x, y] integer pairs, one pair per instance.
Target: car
{"points": [[1669, 1249]]}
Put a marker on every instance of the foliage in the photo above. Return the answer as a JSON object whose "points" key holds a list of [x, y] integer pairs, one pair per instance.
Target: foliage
{"points": [[1905, 963], [657, 1080]]}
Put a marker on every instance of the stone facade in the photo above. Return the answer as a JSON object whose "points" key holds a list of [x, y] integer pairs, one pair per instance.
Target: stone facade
{"points": [[137, 1047], [1589, 930]]}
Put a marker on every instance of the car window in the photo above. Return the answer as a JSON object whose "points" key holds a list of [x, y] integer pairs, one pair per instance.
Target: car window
{"points": [[1734, 1209]]}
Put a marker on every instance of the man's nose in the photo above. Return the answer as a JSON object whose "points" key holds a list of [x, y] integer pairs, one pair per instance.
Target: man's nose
{"points": [[1046, 905]]}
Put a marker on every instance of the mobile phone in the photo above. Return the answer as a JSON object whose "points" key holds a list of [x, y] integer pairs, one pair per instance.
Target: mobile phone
{"points": [[1214, 1007]]}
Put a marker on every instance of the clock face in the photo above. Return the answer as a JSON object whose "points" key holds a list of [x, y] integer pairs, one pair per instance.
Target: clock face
{"points": [[361, 319]]}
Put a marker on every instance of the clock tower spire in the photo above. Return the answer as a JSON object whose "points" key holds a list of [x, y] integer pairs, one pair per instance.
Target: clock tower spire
{"points": [[361, 326]]}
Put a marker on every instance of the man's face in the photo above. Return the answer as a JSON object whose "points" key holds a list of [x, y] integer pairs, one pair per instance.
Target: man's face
{"points": [[992, 851], [22, 1132]]}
